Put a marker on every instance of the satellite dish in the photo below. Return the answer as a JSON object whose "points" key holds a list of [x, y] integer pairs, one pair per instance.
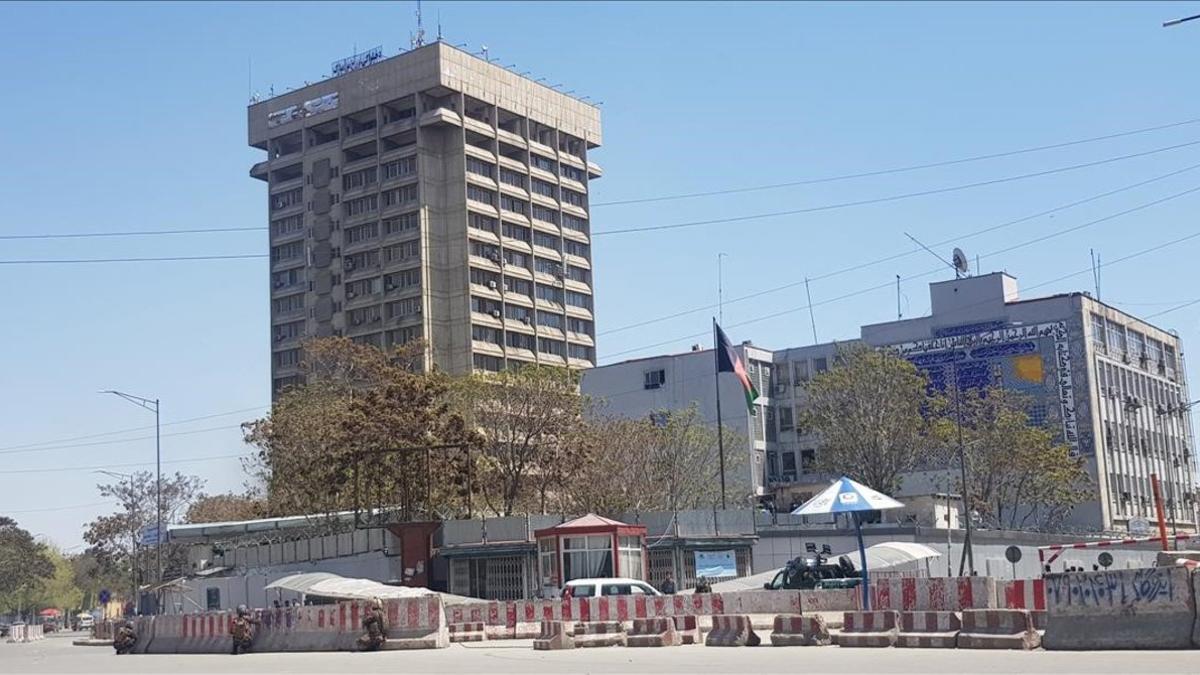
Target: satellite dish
{"points": [[961, 265]]}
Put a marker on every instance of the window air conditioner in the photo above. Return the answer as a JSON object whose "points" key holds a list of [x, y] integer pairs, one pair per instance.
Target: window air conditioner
{"points": [[496, 313], [492, 285]]}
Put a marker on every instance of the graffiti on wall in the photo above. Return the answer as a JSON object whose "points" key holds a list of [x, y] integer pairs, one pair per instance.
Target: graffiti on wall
{"points": [[1144, 589], [992, 354]]}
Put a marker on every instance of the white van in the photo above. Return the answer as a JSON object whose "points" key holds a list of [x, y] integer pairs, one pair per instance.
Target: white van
{"points": [[590, 588]]}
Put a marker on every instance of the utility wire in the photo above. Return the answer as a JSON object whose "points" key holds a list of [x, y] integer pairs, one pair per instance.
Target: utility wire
{"points": [[903, 254], [70, 439], [80, 261], [893, 198], [58, 508], [118, 466], [136, 233], [1173, 309], [890, 284], [116, 441], [903, 169]]}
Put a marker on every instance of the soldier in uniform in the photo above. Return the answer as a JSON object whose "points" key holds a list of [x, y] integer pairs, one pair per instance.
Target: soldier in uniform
{"points": [[125, 638], [243, 630], [373, 623]]}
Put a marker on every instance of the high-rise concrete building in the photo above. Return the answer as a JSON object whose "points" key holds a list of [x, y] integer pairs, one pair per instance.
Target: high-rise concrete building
{"points": [[1112, 386], [430, 195]]}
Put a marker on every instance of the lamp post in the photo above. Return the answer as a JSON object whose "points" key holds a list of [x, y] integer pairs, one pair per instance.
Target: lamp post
{"points": [[132, 534], [152, 405]]}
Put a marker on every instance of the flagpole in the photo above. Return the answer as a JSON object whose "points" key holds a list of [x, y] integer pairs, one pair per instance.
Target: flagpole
{"points": [[717, 382]]}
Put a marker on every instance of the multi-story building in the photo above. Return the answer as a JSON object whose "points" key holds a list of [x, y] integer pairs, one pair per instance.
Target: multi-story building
{"points": [[1112, 385], [430, 195]]}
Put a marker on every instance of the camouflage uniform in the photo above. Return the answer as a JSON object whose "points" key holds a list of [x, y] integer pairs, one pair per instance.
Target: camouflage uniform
{"points": [[125, 639], [376, 632], [242, 631]]}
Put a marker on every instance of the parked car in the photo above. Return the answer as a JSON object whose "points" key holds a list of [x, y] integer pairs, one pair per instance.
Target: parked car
{"points": [[815, 571], [86, 621], [5, 629], [590, 588]]}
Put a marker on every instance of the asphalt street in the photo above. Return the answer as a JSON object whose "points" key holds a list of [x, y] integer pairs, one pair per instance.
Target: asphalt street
{"points": [[57, 655]]}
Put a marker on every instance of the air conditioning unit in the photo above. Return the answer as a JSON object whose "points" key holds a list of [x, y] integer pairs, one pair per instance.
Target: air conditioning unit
{"points": [[350, 295], [526, 320], [496, 313], [493, 285], [358, 322], [389, 286], [348, 264]]}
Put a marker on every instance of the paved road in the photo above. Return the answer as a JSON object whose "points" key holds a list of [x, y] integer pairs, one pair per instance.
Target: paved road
{"points": [[57, 655]]}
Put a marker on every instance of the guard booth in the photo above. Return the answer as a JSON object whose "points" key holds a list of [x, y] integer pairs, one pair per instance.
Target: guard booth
{"points": [[590, 546]]}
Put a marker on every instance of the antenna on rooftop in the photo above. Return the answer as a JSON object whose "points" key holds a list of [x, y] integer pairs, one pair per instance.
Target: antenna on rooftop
{"points": [[960, 265], [439, 35], [485, 54], [418, 39]]}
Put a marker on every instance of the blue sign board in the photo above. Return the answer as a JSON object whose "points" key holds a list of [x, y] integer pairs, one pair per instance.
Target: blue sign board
{"points": [[105, 596], [149, 536], [716, 564]]}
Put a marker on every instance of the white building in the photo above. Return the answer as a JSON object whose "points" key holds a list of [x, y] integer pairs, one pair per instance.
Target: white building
{"points": [[1112, 385]]}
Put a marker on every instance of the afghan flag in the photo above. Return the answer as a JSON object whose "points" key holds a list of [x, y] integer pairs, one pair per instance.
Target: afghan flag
{"points": [[728, 361]]}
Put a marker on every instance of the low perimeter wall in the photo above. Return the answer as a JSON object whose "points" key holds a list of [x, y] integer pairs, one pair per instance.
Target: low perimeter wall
{"points": [[295, 629], [1147, 608]]}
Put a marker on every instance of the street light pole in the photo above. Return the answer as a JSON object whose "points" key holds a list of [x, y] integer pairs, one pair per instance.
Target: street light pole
{"points": [[153, 406], [132, 534]]}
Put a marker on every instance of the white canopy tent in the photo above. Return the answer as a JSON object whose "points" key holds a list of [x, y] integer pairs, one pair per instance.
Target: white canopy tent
{"points": [[886, 555], [337, 587]]}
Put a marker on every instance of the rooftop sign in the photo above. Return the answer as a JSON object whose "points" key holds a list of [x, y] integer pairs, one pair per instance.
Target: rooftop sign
{"points": [[359, 60]]}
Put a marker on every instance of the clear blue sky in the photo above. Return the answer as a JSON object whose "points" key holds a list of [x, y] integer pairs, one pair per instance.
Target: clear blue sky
{"points": [[132, 116]]}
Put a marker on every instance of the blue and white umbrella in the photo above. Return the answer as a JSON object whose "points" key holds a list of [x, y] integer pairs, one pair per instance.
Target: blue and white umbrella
{"points": [[847, 496]]}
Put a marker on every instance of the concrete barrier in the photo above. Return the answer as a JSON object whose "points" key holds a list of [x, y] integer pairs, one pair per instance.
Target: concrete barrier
{"points": [[688, 628], [659, 632], [938, 594], [1023, 594], [998, 629], [413, 623], [732, 630], [553, 636], [869, 629], [18, 632], [599, 634], [1146, 608], [468, 632], [925, 630], [794, 630]]}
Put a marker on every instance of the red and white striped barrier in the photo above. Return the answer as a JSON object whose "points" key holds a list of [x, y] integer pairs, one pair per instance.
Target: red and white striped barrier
{"points": [[730, 630], [1055, 550], [1024, 594], [937, 630], [468, 632], [599, 634], [945, 594], [412, 623], [869, 629], [553, 635], [688, 628], [653, 633], [793, 630], [998, 629]]}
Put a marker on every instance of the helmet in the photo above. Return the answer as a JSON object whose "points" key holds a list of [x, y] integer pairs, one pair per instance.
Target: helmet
{"points": [[376, 603], [129, 624], [242, 610]]}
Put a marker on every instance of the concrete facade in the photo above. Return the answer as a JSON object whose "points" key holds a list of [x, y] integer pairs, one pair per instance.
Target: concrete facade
{"points": [[1112, 386], [430, 195]]}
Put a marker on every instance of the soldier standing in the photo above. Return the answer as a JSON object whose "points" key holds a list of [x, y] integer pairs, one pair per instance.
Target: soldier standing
{"points": [[243, 630]]}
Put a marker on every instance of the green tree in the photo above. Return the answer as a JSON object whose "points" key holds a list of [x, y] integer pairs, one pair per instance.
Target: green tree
{"points": [[24, 565], [871, 413], [527, 424], [112, 538], [667, 461], [60, 590], [1019, 476], [356, 398]]}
